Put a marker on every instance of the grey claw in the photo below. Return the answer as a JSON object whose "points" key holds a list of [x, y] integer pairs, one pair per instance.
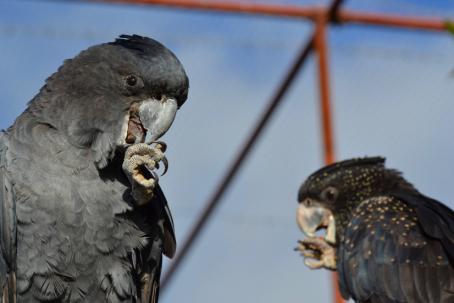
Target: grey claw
{"points": [[163, 145], [166, 165]]}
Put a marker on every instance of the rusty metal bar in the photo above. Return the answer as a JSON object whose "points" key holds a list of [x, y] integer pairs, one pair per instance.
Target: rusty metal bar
{"points": [[244, 152], [292, 11], [430, 24], [231, 7], [321, 48], [324, 86]]}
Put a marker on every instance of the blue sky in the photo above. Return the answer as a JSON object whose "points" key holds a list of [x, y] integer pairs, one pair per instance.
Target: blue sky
{"points": [[392, 93]]}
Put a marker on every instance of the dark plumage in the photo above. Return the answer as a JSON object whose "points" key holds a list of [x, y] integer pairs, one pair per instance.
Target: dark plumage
{"points": [[81, 237], [393, 244]]}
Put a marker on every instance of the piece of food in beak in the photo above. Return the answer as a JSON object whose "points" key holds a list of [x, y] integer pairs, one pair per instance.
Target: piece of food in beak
{"points": [[150, 119], [136, 132]]}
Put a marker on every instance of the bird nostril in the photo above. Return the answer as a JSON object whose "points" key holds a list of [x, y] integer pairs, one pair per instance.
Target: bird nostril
{"points": [[160, 98]]}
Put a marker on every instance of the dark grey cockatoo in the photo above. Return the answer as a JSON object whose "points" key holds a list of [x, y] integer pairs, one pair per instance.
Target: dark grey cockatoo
{"points": [[82, 216], [388, 242]]}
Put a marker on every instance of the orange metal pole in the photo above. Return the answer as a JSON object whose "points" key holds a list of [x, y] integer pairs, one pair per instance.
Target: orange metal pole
{"points": [[325, 110], [323, 74], [431, 24], [292, 11]]}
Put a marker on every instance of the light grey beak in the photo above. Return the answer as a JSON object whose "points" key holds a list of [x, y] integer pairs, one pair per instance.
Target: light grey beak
{"points": [[312, 218], [157, 116]]}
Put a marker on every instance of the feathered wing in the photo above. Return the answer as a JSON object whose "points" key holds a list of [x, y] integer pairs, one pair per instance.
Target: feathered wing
{"points": [[7, 231], [389, 254], [163, 242], [435, 219]]}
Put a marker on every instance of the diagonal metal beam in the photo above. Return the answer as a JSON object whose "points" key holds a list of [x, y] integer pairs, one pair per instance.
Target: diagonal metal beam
{"points": [[244, 152], [234, 168]]}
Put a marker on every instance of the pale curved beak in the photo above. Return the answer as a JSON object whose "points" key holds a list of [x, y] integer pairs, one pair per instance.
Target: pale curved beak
{"points": [[312, 218], [157, 116]]}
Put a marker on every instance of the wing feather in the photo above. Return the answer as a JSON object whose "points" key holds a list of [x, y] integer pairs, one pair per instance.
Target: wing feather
{"points": [[435, 218], [7, 231], [162, 242], [390, 255], [170, 243]]}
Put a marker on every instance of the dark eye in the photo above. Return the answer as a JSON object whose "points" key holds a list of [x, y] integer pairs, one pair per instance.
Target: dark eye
{"points": [[307, 202], [330, 194], [131, 80]]}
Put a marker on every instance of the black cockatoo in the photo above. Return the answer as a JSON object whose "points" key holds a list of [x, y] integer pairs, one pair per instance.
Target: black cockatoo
{"points": [[387, 241], [82, 216]]}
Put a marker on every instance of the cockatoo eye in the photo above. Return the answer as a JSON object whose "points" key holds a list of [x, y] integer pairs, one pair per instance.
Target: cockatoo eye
{"points": [[131, 80], [330, 194]]}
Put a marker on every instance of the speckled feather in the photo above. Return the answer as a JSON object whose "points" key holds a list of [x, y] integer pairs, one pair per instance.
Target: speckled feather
{"points": [[385, 256], [79, 236], [394, 244]]}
